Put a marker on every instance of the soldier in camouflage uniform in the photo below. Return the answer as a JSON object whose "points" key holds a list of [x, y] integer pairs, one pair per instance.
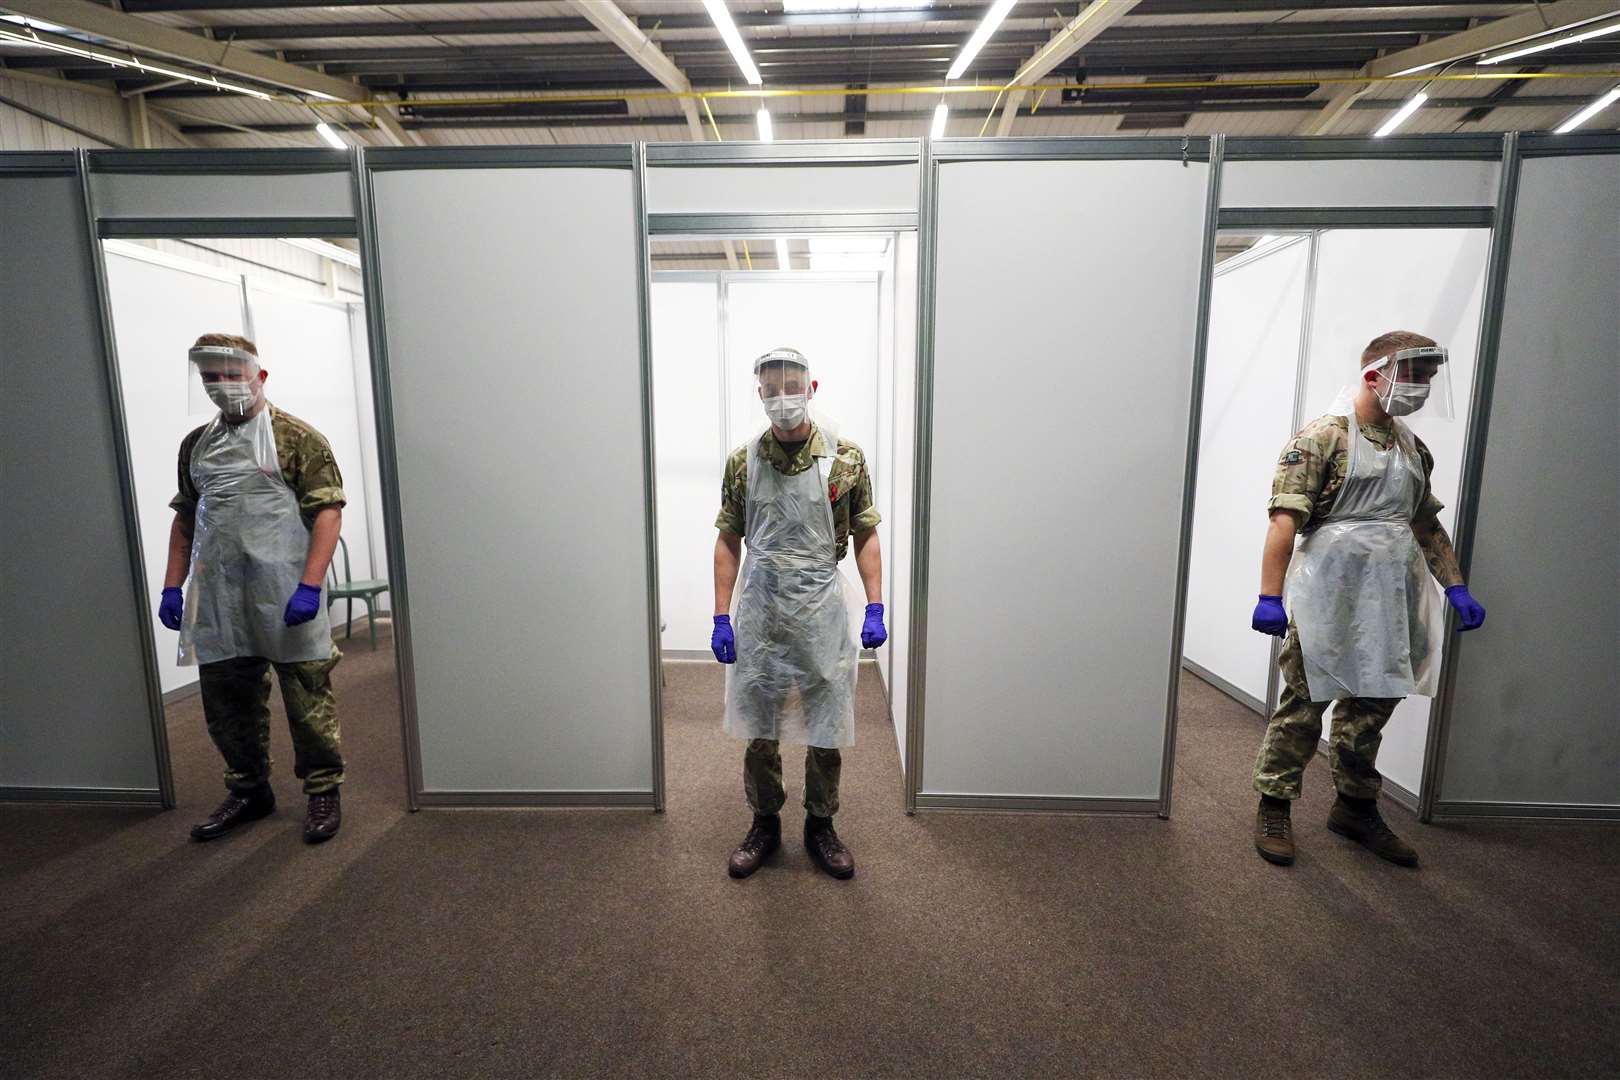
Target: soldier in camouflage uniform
{"points": [[1309, 478], [304, 506], [798, 449]]}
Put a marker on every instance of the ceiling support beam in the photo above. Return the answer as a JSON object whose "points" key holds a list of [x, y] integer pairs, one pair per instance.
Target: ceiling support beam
{"points": [[623, 32], [1098, 16], [620, 29], [167, 41], [1458, 46]]}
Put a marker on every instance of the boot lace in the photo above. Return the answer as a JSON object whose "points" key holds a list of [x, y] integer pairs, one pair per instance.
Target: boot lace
{"points": [[1276, 826]]}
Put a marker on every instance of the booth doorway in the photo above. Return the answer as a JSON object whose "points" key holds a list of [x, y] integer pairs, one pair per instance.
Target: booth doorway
{"points": [[1290, 313], [301, 301], [847, 302]]}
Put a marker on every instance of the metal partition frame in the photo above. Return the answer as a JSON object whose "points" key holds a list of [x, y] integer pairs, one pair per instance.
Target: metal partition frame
{"points": [[268, 219], [936, 153], [75, 163], [1498, 217], [1431, 807], [755, 155], [367, 163], [274, 222]]}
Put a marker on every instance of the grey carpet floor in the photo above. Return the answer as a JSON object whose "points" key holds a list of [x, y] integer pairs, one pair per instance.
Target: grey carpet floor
{"points": [[611, 943]]}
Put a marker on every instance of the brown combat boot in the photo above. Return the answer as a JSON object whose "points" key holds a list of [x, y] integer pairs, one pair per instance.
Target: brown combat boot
{"points": [[1359, 820], [1274, 832], [324, 817], [764, 836], [826, 850], [239, 808]]}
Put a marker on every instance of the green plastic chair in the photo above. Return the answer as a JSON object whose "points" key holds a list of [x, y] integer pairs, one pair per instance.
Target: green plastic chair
{"points": [[365, 590]]}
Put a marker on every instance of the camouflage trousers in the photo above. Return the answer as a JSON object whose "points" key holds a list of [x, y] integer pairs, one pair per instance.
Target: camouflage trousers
{"points": [[1296, 727], [762, 778], [236, 703]]}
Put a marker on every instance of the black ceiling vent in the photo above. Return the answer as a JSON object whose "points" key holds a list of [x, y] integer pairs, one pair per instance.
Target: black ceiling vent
{"points": [[1144, 120]]}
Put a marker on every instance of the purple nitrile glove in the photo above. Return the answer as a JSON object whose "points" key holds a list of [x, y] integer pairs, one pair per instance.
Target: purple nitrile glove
{"points": [[1470, 613], [171, 607], [872, 632], [723, 641], [304, 605], [1269, 616]]}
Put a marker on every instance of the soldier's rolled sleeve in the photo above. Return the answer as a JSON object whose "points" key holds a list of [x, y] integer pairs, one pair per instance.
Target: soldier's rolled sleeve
{"points": [[316, 479], [1299, 477], [863, 506], [1430, 507], [185, 498], [733, 499]]}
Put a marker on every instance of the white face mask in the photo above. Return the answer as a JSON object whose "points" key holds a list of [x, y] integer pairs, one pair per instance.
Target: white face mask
{"points": [[1406, 398], [787, 411], [233, 398]]}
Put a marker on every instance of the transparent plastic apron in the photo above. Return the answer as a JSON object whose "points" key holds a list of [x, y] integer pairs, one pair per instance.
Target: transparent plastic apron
{"points": [[247, 552], [1368, 612], [794, 678]]}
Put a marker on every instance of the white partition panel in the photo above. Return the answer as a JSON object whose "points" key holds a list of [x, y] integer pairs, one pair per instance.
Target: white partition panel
{"points": [[1249, 377], [1369, 182], [1065, 312], [796, 189], [157, 312], [1370, 281], [76, 679], [514, 360], [1534, 724], [691, 452], [238, 184]]}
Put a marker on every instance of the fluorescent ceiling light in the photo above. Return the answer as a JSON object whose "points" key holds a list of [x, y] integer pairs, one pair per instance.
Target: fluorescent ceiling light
{"points": [[324, 130], [942, 112], [1590, 111], [131, 61], [762, 120], [325, 249], [1553, 43], [782, 254], [733, 40], [1413, 104], [992, 20], [799, 7]]}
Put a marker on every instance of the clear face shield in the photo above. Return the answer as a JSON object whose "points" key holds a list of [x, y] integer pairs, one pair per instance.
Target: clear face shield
{"points": [[227, 379], [784, 388], [1412, 380]]}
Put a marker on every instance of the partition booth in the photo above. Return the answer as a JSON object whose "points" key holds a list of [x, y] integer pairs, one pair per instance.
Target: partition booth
{"points": [[1064, 451]]}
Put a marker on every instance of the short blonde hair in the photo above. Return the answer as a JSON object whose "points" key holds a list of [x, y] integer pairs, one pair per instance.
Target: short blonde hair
{"points": [[229, 341], [1394, 341]]}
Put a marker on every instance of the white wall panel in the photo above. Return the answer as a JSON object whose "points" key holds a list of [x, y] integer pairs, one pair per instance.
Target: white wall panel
{"points": [[1048, 663], [1252, 365], [73, 667], [1535, 719], [366, 416], [157, 312], [795, 189], [514, 360], [1370, 281], [1382, 182], [691, 452]]}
